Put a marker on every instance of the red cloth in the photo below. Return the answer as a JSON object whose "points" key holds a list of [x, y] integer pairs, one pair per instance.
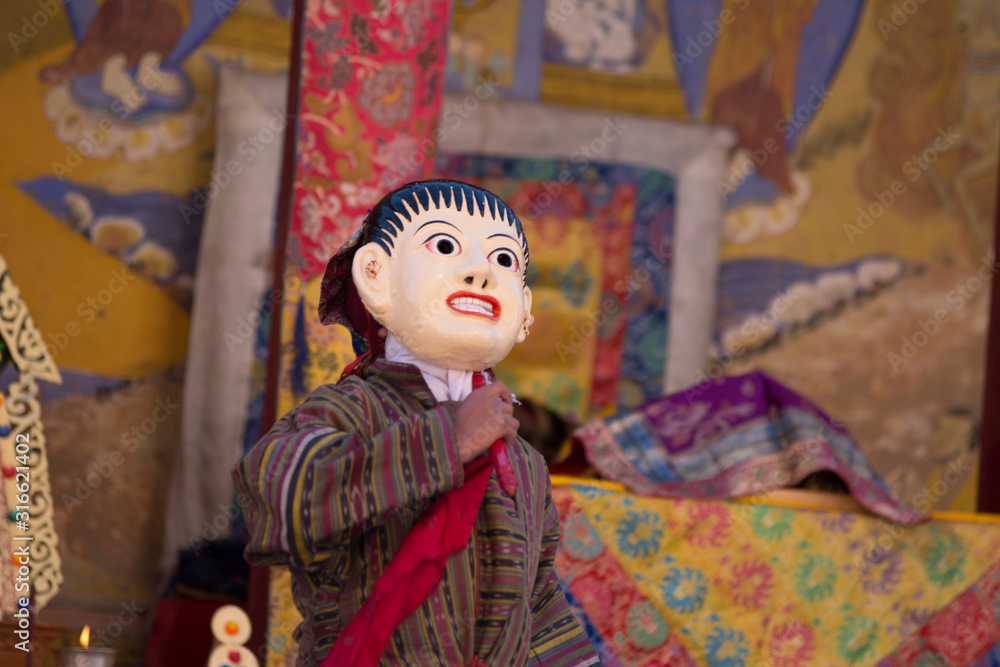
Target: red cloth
{"points": [[363, 323], [498, 452], [478, 380]]}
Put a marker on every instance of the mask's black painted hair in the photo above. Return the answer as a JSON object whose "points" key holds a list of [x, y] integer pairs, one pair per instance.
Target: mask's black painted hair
{"points": [[390, 212]]}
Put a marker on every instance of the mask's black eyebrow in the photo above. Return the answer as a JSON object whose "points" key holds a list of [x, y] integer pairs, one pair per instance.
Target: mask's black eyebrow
{"points": [[506, 236], [436, 222], [524, 251]]}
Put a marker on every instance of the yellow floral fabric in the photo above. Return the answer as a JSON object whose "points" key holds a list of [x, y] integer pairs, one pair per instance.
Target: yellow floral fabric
{"points": [[731, 584]]}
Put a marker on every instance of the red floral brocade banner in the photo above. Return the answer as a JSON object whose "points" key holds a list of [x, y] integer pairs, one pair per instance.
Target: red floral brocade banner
{"points": [[369, 98]]}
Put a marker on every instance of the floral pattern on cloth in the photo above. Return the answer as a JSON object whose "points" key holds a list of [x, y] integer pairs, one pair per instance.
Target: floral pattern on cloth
{"points": [[965, 632], [662, 581], [732, 437], [369, 99], [601, 236]]}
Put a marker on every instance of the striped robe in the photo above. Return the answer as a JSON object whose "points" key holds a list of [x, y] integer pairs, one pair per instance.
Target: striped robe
{"points": [[334, 488]]}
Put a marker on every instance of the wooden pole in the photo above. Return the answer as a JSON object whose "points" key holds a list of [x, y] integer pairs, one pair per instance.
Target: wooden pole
{"points": [[989, 456], [259, 585]]}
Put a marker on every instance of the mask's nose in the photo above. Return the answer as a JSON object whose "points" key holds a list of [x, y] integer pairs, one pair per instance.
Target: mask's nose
{"points": [[477, 271]]}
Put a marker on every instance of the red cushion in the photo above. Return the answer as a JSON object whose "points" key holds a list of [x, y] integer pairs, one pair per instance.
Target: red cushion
{"points": [[181, 632]]}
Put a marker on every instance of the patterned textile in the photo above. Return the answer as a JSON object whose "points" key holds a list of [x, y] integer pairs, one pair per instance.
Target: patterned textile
{"points": [[600, 274], [732, 437], [732, 584], [965, 632], [369, 97], [369, 100], [388, 430]]}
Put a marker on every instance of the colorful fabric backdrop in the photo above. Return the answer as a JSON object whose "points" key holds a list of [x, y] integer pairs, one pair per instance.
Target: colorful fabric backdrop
{"points": [[661, 581], [599, 337]]}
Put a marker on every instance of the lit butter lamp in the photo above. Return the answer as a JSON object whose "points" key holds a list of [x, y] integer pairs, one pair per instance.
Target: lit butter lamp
{"points": [[84, 655]]}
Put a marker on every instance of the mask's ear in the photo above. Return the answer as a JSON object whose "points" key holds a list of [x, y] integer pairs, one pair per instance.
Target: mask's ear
{"points": [[370, 271], [528, 317]]}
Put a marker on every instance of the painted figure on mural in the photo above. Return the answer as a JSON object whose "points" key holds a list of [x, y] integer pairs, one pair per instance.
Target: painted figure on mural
{"points": [[122, 88], [751, 86], [764, 69], [937, 120], [418, 527], [127, 27], [752, 80], [120, 93], [605, 36]]}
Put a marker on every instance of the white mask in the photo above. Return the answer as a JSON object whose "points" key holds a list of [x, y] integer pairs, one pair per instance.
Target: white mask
{"points": [[452, 291]]}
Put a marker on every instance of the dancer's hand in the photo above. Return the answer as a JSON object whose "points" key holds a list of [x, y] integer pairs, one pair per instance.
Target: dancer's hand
{"points": [[485, 416]]}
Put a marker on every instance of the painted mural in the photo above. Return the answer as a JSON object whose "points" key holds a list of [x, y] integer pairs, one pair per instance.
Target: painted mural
{"points": [[859, 202], [102, 210]]}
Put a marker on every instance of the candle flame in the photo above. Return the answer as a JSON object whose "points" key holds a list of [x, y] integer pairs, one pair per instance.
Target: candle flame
{"points": [[85, 636]]}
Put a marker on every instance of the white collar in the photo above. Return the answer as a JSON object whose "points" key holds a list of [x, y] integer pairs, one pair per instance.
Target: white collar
{"points": [[446, 384]]}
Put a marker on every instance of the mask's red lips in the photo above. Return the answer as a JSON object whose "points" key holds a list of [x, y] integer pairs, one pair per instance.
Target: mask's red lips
{"points": [[475, 304]]}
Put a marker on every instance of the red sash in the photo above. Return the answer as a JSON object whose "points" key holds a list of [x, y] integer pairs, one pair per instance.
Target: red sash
{"points": [[414, 572]]}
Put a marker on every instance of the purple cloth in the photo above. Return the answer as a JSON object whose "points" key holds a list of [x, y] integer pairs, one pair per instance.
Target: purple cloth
{"points": [[730, 437]]}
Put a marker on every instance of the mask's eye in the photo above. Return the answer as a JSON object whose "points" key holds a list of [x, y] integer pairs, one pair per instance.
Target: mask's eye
{"points": [[443, 244], [505, 259]]}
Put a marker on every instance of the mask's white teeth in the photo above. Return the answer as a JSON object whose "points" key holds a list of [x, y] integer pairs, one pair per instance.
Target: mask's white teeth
{"points": [[473, 305]]}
